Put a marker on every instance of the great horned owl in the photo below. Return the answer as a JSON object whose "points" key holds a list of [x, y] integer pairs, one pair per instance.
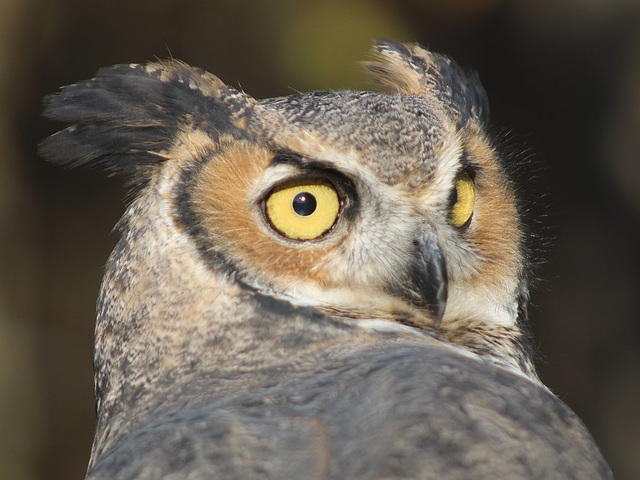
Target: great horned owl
{"points": [[325, 285]]}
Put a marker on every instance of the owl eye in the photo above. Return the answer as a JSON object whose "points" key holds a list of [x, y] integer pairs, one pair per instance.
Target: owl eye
{"points": [[304, 210], [463, 201]]}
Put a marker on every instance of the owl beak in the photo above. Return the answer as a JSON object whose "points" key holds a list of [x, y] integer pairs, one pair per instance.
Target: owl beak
{"points": [[428, 276]]}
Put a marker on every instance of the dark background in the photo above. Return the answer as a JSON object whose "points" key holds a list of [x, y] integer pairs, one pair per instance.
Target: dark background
{"points": [[563, 76]]}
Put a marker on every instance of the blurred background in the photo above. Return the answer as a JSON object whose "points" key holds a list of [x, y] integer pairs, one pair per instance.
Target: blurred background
{"points": [[563, 77]]}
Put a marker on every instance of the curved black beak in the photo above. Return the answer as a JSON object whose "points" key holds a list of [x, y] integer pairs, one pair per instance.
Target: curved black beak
{"points": [[427, 276]]}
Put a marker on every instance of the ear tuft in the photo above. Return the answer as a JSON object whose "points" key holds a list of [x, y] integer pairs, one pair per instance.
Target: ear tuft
{"points": [[391, 71], [410, 69], [129, 116]]}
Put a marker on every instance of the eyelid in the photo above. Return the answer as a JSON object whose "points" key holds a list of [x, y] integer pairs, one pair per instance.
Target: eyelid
{"points": [[470, 168], [467, 167]]}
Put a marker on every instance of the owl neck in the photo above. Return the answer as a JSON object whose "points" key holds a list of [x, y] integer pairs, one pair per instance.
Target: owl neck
{"points": [[507, 345]]}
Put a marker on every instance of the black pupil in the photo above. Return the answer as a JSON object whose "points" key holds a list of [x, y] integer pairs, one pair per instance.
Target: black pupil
{"points": [[304, 204], [453, 199]]}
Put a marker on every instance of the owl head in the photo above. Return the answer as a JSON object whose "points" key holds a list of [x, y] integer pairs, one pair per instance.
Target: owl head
{"points": [[375, 212]]}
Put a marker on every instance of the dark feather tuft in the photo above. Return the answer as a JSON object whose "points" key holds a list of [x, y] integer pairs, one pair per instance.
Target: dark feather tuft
{"points": [[412, 70], [129, 115]]}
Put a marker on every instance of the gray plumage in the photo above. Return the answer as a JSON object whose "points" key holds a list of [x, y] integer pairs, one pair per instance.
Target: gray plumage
{"points": [[391, 343]]}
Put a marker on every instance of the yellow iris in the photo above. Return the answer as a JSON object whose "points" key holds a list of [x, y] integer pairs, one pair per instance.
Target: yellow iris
{"points": [[303, 211], [465, 201]]}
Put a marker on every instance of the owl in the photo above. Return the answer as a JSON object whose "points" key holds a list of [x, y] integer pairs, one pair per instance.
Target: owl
{"points": [[329, 285]]}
